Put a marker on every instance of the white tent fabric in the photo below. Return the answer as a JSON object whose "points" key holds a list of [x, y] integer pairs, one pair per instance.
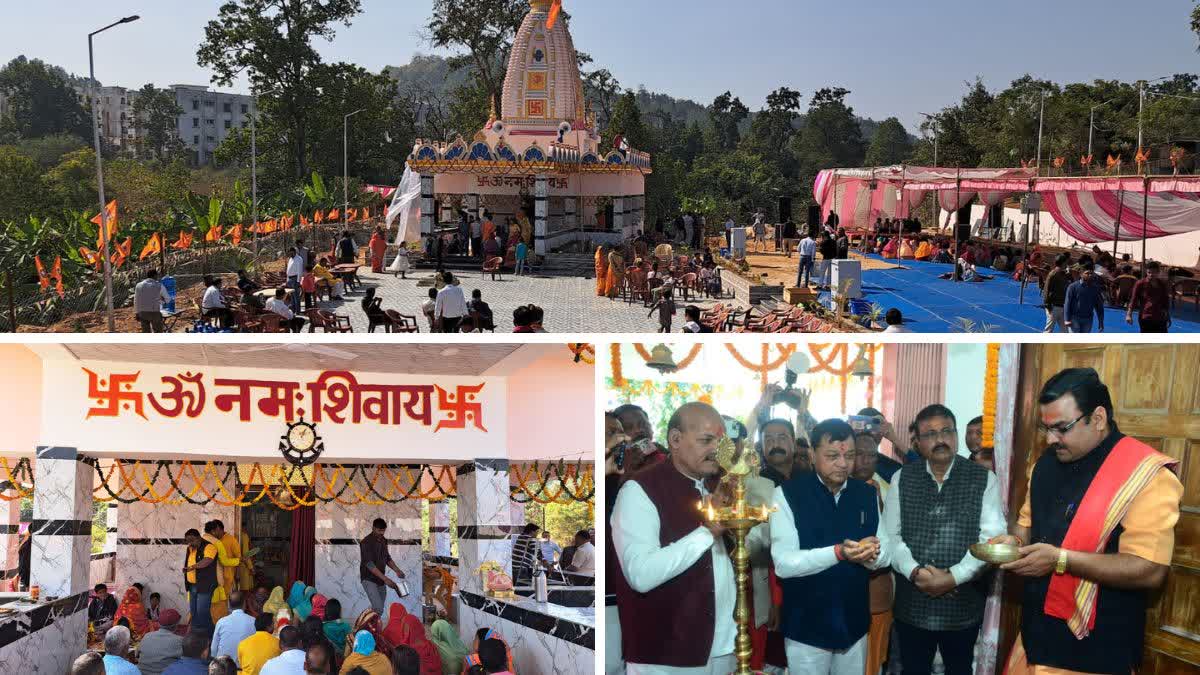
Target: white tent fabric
{"points": [[406, 208]]}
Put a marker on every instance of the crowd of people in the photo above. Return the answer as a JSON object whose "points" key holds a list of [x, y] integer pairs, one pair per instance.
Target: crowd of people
{"points": [[866, 557], [236, 627]]}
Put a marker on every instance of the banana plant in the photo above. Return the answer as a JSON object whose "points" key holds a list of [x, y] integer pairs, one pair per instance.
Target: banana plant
{"points": [[204, 219], [316, 196]]}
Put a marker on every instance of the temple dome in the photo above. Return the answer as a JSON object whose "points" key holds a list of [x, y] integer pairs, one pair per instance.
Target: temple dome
{"points": [[543, 85]]}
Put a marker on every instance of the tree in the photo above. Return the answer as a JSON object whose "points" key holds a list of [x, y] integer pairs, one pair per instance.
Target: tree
{"points": [[831, 136], [890, 145], [1196, 19], [41, 101], [773, 128], [271, 42], [602, 90], [726, 114], [71, 184], [627, 122], [485, 29], [47, 151], [20, 189], [155, 119]]}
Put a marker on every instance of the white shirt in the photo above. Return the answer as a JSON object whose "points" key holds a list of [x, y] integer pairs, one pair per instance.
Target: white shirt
{"points": [[808, 247], [584, 559], [212, 298], [450, 304], [229, 632], [295, 266], [991, 524], [793, 561], [290, 662], [279, 307], [897, 328], [647, 565]]}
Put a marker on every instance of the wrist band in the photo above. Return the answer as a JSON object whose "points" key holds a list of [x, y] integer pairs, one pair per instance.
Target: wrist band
{"points": [[837, 552]]}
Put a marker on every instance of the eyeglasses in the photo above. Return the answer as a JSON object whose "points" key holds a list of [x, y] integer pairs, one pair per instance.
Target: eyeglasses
{"points": [[1060, 430], [946, 434]]}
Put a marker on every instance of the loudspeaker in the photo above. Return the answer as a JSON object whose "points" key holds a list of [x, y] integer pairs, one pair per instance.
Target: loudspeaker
{"points": [[814, 216], [962, 233], [785, 209]]}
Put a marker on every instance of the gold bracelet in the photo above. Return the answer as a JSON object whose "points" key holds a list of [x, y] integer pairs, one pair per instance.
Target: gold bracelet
{"points": [[1061, 567]]}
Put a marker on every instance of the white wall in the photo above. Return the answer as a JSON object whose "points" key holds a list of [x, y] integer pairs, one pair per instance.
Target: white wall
{"points": [[965, 366]]}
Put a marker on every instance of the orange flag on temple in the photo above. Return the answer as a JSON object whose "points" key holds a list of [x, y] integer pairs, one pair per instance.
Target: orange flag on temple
{"points": [[43, 278], [56, 274], [1086, 160], [351, 215], [555, 10], [214, 234], [236, 235], [153, 246], [319, 217], [184, 242], [110, 215], [334, 215]]}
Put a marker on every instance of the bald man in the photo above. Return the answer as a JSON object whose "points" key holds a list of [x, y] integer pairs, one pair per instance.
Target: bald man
{"points": [[677, 594]]}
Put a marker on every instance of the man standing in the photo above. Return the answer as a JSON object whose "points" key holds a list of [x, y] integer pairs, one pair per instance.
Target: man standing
{"points": [[373, 558], [934, 510], [1096, 534], [729, 233], [162, 647], [525, 556], [824, 556], [200, 580], [1152, 301], [450, 306], [584, 559], [148, 298], [677, 594], [641, 450], [232, 629], [974, 435], [882, 587], [808, 253], [829, 249], [101, 608], [1054, 294], [549, 548], [295, 270], [879, 429], [1085, 302], [228, 563]]}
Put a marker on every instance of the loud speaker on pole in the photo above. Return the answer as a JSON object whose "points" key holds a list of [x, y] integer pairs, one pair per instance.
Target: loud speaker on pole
{"points": [[785, 209]]}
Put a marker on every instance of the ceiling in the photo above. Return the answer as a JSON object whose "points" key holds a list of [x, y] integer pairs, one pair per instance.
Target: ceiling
{"points": [[426, 359]]}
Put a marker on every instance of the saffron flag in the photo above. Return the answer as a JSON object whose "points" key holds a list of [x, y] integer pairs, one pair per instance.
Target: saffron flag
{"points": [[90, 257], [43, 278], [56, 274], [236, 235], [555, 10], [304, 221], [334, 215], [319, 217], [214, 234], [123, 251], [184, 242], [110, 217], [152, 247]]}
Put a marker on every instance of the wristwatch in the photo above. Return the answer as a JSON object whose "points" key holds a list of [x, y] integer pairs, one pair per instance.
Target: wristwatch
{"points": [[1061, 567]]}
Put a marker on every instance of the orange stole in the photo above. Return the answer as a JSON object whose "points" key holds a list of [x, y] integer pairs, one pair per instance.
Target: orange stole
{"points": [[1128, 468]]}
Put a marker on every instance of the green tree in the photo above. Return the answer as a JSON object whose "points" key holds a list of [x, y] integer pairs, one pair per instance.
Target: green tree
{"points": [[603, 91], [47, 151], [41, 101], [467, 111], [271, 43], [772, 129], [20, 186], [890, 144], [484, 29], [626, 121], [726, 115], [831, 136], [71, 184], [155, 119]]}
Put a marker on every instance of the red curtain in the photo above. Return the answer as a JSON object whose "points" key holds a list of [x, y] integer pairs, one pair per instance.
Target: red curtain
{"points": [[301, 566]]}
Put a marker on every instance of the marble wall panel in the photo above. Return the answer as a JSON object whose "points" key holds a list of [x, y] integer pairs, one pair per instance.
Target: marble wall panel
{"points": [[50, 649], [339, 528], [542, 643]]}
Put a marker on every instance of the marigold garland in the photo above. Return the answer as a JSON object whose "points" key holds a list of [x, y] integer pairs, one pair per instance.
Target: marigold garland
{"points": [[618, 377], [583, 352], [24, 468], [765, 365], [990, 385]]}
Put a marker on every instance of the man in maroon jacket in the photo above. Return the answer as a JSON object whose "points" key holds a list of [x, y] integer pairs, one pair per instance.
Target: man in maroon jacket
{"points": [[677, 594], [1152, 301]]}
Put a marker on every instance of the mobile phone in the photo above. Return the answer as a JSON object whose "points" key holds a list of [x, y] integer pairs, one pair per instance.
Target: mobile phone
{"points": [[619, 455], [860, 422]]}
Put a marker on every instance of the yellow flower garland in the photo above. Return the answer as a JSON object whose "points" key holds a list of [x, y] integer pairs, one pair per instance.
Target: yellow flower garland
{"points": [[990, 383]]}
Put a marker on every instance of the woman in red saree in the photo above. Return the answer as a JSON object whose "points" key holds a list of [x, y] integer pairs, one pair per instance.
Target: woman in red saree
{"points": [[377, 246], [132, 609], [404, 628]]}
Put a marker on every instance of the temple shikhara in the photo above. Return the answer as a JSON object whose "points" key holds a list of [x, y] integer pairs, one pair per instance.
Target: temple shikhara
{"points": [[539, 157]]}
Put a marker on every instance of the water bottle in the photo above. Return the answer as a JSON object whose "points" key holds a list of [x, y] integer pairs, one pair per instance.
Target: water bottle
{"points": [[541, 589]]}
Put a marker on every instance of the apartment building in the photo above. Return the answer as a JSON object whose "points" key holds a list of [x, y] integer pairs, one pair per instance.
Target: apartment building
{"points": [[208, 118], [117, 127]]}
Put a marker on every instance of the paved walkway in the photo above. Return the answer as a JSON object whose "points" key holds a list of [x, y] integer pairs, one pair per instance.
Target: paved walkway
{"points": [[570, 303]]}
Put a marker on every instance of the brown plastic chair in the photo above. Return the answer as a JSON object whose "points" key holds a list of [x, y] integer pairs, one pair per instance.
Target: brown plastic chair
{"points": [[494, 266], [402, 323]]}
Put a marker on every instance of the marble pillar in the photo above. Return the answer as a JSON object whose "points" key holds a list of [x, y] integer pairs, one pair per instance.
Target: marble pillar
{"points": [[340, 528], [516, 513], [428, 217], [541, 213], [570, 213], [10, 539], [110, 536], [484, 519], [62, 522], [439, 527]]}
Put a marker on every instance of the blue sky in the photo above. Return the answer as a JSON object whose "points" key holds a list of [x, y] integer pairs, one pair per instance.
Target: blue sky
{"points": [[896, 58]]}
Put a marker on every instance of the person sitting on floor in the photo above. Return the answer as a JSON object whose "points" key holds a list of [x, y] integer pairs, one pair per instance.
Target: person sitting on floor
{"points": [[278, 305], [924, 251], [943, 255], [194, 657], [101, 608], [116, 652]]}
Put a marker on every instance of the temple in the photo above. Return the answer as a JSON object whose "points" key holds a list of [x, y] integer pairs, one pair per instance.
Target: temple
{"points": [[541, 156]]}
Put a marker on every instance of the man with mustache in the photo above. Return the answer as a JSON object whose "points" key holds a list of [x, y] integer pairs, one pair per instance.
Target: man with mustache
{"points": [[881, 429], [825, 539], [676, 595], [934, 510], [642, 450], [1096, 534]]}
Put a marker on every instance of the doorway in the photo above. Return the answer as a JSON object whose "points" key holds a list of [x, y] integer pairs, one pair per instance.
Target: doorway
{"points": [[272, 532]]}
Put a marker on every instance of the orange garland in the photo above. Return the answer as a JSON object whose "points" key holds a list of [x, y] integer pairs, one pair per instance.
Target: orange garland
{"points": [[990, 384], [618, 377], [583, 351], [765, 366]]}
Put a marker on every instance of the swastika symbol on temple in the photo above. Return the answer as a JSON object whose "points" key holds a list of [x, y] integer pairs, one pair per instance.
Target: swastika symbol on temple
{"points": [[118, 396], [460, 407]]}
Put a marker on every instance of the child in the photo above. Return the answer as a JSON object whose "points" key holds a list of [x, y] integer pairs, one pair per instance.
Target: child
{"points": [[308, 284], [152, 608], [399, 266], [522, 252], [665, 304], [714, 280]]}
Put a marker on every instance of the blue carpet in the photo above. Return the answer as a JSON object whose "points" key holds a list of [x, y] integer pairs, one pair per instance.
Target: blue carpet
{"points": [[933, 305]]}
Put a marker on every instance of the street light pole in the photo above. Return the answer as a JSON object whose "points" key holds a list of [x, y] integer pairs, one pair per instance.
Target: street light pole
{"points": [[254, 172], [1041, 126], [346, 167], [1091, 129], [108, 290], [1141, 107]]}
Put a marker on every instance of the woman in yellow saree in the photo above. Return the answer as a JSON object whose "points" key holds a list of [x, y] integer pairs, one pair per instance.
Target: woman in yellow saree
{"points": [[616, 274], [601, 270]]}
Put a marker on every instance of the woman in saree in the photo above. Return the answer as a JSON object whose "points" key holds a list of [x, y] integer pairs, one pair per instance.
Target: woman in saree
{"points": [[924, 251], [487, 634], [370, 621], [601, 269], [378, 247], [132, 609], [889, 249], [299, 599], [616, 274], [274, 601], [450, 646], [318, 606], [363, 652], [906, 250], [335, 629]]}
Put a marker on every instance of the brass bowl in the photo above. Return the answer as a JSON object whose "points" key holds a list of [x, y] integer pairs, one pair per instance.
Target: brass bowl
{"points": [[995, 554]]}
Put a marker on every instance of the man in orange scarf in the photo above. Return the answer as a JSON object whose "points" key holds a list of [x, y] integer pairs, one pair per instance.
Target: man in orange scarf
{"points": [[1096, 534]]}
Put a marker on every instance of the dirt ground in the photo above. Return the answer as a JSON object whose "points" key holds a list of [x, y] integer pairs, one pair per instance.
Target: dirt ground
{"points": [[782, 270]]}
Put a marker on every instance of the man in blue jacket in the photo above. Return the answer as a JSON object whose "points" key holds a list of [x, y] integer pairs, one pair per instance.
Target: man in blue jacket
{"points": [[1085, 300], [825, 539]]}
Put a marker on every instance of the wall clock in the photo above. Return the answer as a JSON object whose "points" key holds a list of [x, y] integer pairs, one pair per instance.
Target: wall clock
{"points": [[301, 445]]}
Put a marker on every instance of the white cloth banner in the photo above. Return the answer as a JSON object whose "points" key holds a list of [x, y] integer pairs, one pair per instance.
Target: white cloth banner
{"points": [[406, 206]]}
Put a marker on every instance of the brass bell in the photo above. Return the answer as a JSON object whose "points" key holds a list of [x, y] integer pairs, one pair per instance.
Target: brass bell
{"points": [[662, 360]]}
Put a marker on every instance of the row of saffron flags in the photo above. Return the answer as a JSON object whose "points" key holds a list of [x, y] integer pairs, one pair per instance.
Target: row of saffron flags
{"points": [[1113, 163], [122, 251]]}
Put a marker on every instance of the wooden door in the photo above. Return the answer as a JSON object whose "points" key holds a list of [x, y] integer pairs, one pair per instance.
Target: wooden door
{"points": [[1156, 399]]}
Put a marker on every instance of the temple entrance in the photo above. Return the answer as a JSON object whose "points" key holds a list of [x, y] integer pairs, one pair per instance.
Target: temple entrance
{"points": [[270, 530]]}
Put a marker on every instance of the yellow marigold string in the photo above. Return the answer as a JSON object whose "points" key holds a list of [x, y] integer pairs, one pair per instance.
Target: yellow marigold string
{"points": [[990, 384], [16, 486], [618, 377]]}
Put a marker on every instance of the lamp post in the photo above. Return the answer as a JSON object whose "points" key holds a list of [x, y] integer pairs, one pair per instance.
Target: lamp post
{"points": [[934, 208], [254, 164], [346, 167], [108, 291]]}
